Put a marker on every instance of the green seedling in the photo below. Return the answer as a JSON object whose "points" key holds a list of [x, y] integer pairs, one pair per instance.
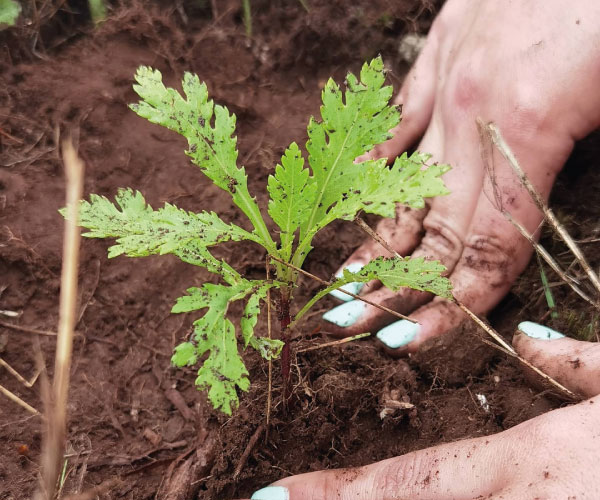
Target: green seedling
{"points": [[247, 11], [547, 290], [302, 202], [97, 10], [9, 13]]}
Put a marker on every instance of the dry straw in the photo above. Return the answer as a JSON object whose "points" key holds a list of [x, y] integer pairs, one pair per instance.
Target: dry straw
{"points": [[56, 407]]}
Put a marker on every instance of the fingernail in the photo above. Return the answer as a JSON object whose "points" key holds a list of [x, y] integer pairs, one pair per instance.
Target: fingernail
{"points": [[354, 288], [346, 314], [541, 332], [271, 493], [399, 334]]}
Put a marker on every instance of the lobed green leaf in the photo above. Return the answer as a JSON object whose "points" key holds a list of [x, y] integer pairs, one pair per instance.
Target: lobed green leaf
{"points": [[291, 196], [140, 230], [252, 310], [223, 371], [413, 272], [395, 273], [211, 147], [266, 347], [379, 188], [185, 355], [352, 124]]}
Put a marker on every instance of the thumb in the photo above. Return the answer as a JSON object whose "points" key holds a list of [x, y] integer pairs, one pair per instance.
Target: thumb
{"points": [[573, 363], [460, 470]]}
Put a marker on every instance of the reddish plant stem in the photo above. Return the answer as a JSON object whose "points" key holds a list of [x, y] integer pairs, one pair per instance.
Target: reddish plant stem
{"points": [[284, 321]]}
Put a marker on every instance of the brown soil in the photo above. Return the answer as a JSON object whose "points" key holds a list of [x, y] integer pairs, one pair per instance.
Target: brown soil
{"points": [[131, 414]]}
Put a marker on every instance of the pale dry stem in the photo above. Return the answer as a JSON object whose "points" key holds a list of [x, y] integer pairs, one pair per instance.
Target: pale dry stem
{"points": [[18, 400], [334, 343], [25, 329], [56, 408], [18, 376], [510, 350], [543, 253], [503, 345], [496, 137]]}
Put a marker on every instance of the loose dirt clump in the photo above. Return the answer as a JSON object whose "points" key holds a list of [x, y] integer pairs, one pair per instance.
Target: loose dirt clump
{"points": [[131, 415]]}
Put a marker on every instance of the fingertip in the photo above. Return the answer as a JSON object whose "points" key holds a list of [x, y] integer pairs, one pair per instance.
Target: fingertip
{"points": [[398, 336], [538, 332], [271, 493], [345, 315], [532, 340], [354, 287]]}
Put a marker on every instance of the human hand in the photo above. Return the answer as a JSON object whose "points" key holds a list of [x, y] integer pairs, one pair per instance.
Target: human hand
{"points": [[532, 68], [547, 457]]}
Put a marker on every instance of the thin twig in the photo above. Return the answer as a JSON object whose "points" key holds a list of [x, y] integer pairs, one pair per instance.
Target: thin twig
{"points": [[497, 139], [270, 361], [11, 137], [543, 253], [27, 330], [327, 283], [335, 342], [18, 376], [53, 448], [511, 351], [18, 400], [251, 444], [507, 348], [365, 227]]}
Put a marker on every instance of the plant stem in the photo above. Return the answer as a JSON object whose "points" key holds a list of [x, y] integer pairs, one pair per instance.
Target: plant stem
{"points": [[309, 304], [247, 17], [284, 322], [494, 134]]}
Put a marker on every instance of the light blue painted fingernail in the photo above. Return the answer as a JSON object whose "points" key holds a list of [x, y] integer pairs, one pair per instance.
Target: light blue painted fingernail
{"points": [[271, 493], [346, 314], [399, 334], [541, 332], [354, 288]]}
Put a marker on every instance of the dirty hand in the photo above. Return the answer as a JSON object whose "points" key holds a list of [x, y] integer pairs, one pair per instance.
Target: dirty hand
{"points": [[547, 457], [532, 68]]}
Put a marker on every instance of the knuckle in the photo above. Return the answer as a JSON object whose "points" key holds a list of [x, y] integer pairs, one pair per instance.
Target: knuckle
{"points": [[466, 90], [527, 116], [489, 256], [440, 241]]}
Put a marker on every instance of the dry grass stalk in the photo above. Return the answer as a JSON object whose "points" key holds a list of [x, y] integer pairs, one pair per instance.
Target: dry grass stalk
{"points": [[502, 344], [543, 253], [56, 408], [495, 136], [249, 447], [334, 343], [373, 234], [18, 376], [18, 400], [25, 329], [510, 350]]}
